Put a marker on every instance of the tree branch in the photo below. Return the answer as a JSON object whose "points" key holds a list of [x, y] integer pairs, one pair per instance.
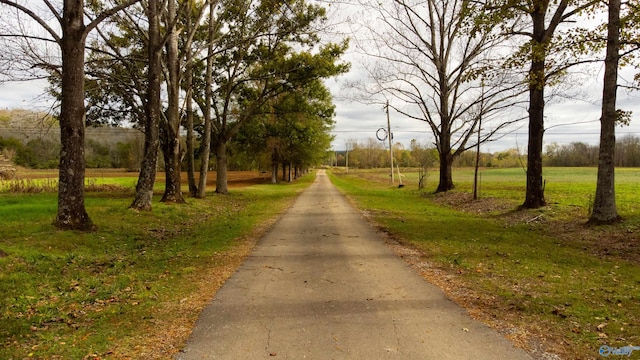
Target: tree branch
{"points": [[36, 18]]}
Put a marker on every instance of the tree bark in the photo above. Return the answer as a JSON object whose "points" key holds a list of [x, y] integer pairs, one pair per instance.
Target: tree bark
{"points": [[446, 179], [534, 197], [604, 206], [171, 151], [147, 177], [191, 167], [446, 158], [171, 145], [72, 214], [206, 137]]}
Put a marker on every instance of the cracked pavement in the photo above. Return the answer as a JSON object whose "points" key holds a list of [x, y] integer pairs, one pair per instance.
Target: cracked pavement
{"points": [[322, 284]]}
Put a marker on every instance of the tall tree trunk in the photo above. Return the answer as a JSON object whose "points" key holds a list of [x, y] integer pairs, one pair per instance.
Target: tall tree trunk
{"points": [[206, 136], [171, 145], [72, 214], [446, 178], [147, 177], [604, 206], [221, 163], [534, 197], [171, 151], [191, 167], [446, 159]]}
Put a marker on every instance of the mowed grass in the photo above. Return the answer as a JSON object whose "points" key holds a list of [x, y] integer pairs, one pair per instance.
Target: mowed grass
{"points": [[541, 277], [134, 287]]}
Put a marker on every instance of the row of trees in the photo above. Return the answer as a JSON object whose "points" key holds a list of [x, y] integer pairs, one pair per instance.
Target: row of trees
{"points": [[249, 69], [451, 64], [44, 153], [627, 153], [371, 154]]}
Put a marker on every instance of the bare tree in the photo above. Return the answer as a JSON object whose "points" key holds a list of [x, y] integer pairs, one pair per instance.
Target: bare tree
{"points": [[71, 40], [431, 58]]}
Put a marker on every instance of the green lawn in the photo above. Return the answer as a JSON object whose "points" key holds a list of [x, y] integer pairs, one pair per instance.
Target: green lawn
{"points": [[541, 281], [137, 283], [133, 288]]}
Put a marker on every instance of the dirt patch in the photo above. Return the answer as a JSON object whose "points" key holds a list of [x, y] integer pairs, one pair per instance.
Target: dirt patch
{"points": [[465, 202]]}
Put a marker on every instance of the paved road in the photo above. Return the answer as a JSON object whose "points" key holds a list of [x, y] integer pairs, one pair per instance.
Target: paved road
{"points": [[323, 285]]}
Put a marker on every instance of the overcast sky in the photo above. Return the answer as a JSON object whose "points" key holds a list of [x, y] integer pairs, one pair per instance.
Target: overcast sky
{"points": [[566, 120]]}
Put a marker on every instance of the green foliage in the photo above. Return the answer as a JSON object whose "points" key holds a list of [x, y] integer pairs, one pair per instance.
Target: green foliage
{"points": [[39, 153], [425, 157], [10, 144], [98, 155], [623, 118]]}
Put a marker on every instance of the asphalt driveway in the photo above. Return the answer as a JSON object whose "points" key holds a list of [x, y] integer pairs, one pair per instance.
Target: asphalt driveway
{"points": [[322, 284]]}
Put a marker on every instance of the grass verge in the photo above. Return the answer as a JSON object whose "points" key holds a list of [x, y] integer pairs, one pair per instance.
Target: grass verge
{"points": [[132, 289], [541, 277]]}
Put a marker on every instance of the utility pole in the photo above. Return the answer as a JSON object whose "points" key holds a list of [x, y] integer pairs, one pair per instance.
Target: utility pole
{"points": [[347, 157], [390, 141]]}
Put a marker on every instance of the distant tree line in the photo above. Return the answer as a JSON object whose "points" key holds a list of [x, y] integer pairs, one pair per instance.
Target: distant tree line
{"points": [[44, 153], [627, 153], [371, 154]]}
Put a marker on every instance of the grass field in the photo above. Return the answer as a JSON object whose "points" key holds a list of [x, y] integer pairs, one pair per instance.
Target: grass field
{"points": [[134, 287], [541, 277]]}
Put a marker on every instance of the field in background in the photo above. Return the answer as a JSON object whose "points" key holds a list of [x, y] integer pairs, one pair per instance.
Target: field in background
{"points": [[28, 180], [568, 189], [541, 277]]}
